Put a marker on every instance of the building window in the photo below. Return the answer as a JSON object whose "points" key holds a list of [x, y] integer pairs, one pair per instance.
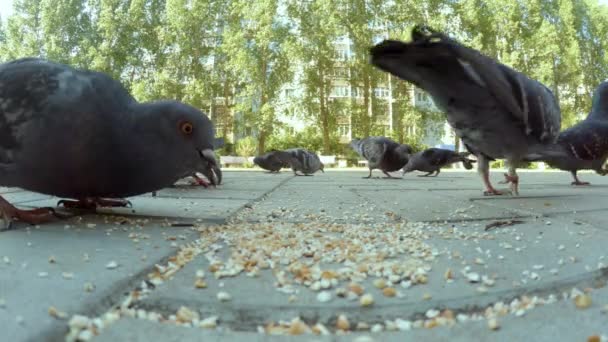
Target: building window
{"points": [[219, 130], [343, 130], [421, 97], [357, 92], [339, 92], [342, 52], [386, 129], [340, 72], [381, 92], [289, 92]]}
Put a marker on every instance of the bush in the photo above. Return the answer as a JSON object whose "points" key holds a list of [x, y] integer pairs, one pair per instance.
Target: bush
{"points": [[415, 143], [246, 147], [226, 150]]}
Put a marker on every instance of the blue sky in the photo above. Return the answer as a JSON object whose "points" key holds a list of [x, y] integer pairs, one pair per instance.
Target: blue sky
{"points": [[6, 7]]}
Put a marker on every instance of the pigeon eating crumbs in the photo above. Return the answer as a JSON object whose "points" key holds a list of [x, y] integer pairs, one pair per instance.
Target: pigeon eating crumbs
{"points": [[214, 173], [382, 153], [304, 161], [79, 134], [584, 145], [496, 111], [433, 159], [273, 161]]}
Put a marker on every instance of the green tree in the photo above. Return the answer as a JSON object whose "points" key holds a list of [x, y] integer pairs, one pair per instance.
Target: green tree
{"points": [[255, 39], [24, 37], [317, 30], [2, 38], [66, 28]]}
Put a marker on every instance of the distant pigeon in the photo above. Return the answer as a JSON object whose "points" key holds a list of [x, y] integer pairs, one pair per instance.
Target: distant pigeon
{"points": [[273, 161], [433, 159], [305, 161], [79, 134], [496, 111], [584, 145], [382, 153]]}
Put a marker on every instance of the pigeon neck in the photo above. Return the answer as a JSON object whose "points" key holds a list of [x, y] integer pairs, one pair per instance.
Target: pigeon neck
{"points": [[599, 108]]}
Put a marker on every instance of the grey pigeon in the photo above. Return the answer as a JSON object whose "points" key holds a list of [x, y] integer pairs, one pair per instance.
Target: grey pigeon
{"points": [[273, 161], [304, 161], [79, 134], [498, 113], [382, 153], [584, 145], [433, 159]]}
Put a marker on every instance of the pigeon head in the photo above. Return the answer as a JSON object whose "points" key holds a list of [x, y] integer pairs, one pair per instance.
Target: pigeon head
{"points": [[355, 144], [388, 55], [405, 149], [409, 167], [600, 98], [185, 136]]}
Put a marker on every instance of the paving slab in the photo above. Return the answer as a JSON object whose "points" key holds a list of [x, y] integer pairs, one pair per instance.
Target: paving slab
{"points": [[284, 247], [49, 267], [533, 258], [64, 264], [560, 321]]}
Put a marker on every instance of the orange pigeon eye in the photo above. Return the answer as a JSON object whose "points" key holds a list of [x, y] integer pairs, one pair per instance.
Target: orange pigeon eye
{"points": [[186, 127]]}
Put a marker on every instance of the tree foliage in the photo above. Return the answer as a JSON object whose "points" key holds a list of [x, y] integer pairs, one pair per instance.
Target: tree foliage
{"points": [[234, 58]]}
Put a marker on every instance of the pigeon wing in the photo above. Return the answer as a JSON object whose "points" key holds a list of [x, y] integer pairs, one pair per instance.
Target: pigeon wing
{"points": [[447, 70], [587, 140]]}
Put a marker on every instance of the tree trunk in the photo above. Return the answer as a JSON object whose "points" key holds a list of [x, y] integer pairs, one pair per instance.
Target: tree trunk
{"points": [[212, 115], [228, 119], [262, 141], [367, 104], [555, 80], [323, 114]]}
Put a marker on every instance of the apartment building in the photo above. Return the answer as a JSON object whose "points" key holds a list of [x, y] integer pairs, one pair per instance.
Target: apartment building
{"points": [[291, 119]]}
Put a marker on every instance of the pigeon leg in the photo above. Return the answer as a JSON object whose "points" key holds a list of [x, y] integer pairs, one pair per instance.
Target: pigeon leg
{"points": [[576, 180], [33, 216], [370, 174], [483, 168], [91, 203], [513, 178], [427, 174], [199, 181], [388, 175], [437, 172]]}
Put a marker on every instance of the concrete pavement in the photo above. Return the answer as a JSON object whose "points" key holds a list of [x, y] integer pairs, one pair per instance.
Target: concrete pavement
{"points": [[357, 259]]}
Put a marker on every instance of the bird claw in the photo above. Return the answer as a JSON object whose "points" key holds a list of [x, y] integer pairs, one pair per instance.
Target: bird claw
{"points": [[493, 192], [509, 179], [579, 183], [94, 203], [514, 180], [33, 216]]}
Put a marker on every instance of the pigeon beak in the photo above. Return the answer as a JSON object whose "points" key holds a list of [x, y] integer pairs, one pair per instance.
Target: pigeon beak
{"points": [[211, 170]]}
